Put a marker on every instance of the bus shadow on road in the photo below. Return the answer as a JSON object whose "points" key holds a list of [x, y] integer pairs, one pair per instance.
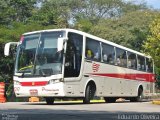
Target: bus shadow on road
{"points": [[79, 103]]}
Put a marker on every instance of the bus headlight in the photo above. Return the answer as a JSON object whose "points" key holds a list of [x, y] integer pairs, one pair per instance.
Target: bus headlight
{"points": [[53, 81], [17, 83]]}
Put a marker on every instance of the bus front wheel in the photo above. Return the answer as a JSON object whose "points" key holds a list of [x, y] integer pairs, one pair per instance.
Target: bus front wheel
{"points": [[89, 94], [49, 100]]}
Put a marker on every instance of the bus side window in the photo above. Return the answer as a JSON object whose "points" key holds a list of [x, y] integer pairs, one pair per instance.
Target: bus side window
{"points": [[93, 50], [121, 57], [132, 61], [141, 63], [89, 54], [149, 65], [108, 54]]}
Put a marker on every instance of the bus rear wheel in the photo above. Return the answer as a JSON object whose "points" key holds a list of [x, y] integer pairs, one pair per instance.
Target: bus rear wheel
{"points": [[110, 99], [49, 100], [89, 94], [139, 97]]}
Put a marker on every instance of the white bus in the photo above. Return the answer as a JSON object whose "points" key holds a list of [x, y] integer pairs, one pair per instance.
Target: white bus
{"points": [[67, 63]]}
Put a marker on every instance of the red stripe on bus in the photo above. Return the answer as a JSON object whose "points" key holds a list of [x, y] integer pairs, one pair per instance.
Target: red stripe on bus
{"points": [[138, 77], [38, 83]]}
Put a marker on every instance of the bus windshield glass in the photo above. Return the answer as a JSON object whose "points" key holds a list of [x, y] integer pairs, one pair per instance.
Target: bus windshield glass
{"points": [[37, 55]]}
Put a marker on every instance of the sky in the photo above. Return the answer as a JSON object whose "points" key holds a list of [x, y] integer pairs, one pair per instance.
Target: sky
{"points": [[154, 3]]}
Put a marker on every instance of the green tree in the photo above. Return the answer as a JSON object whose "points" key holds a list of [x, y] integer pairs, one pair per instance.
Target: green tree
{"points": [[53, 12], [16, 10], [152, 46], [129, 30]]}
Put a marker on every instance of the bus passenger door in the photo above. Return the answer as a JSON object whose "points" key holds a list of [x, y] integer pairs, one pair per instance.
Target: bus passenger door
{"points": [[73, 56], [72, 66]]}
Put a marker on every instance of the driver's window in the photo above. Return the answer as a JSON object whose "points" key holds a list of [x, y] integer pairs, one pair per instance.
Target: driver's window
{"points": [[73, 55]]}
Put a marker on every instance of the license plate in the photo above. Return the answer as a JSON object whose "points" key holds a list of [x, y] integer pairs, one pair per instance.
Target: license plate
{"points": [[33, 92]]}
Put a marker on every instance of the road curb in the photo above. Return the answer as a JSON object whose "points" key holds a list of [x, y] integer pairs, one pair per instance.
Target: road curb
{"points": [[157, 102]]}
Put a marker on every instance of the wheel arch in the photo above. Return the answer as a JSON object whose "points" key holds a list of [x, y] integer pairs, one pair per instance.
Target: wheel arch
{"points": [[92, 83], [140, 86]]}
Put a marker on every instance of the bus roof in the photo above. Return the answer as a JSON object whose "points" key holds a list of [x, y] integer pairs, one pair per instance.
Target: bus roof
{"points": [[90, 36]]}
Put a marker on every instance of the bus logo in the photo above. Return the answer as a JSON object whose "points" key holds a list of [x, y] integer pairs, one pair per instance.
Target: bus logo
{"points": [[95, 67]]}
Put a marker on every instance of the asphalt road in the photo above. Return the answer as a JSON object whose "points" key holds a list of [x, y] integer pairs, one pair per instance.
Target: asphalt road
{"points": [[79, 111]]}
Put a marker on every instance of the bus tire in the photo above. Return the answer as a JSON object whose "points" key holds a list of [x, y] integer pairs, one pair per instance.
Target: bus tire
{"points": [[49, 100], [139, 97], [110, 99], [89, 94]]}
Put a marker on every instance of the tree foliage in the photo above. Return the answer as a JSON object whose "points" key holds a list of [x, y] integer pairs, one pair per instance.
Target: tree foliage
{"points": [[152, 46], [15, 10], [130, 30]]}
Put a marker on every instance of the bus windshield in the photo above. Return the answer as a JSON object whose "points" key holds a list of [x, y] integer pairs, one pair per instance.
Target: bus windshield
{"points": [[37, 55]]}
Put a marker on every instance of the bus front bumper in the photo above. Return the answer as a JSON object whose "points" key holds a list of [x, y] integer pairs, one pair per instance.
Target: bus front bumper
{"points": [[51, 90]]}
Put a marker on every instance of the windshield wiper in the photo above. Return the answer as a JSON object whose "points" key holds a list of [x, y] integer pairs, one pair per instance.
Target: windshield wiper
{"points": [[46, 72], [42, 73], [21, 74]]}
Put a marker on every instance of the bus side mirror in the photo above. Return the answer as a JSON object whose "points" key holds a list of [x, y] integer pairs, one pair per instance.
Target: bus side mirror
{"points": [[60, 44], [7, 47]]}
